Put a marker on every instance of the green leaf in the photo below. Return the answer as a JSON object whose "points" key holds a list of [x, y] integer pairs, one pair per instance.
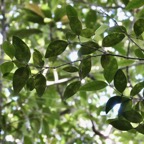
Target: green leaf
{"points": [[70, 35], [117, 29], [140, 128], [6, 67], [121, 124], [88, 48], [101, 29], [105, 60], [91, 18], [110, 70], [56, 48], [112, 39], [8, 49], [40, 84], [87, 32], [71, 89], [134, 4], [139, 27], [71, 12], [93, 86], [30, 84], [22, 51], [85, 67], [70, 69], [139, 53], [37, 58], [112, 102], [120, 81], [76, 25], [20, 78], [132, 116], [137, 88]]}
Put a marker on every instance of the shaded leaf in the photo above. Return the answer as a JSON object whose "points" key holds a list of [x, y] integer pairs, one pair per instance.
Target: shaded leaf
{"points": [[6, 67], [134, 4], [105, 60], [112, 102], [140, 128], [8, 49], [40, 84], [85, 67], [117, 29], [70, 69], [30, 84], [112, 39], [121, 124], [20, 78], [70, 35], [137, 88], [71, 89], [56, 48], [22, 51], [93, 86], [139, 27], [120, 81], [139, 53], [88, 48], [132, 116], [87, 32], [71, 12]]}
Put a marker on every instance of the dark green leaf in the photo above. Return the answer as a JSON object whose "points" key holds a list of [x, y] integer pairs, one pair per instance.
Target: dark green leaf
{"points": [[112, 39], [139, 53], [105, 60], [30, 84], [117, 29], [70, 35], [71, 12], [22, 51], [70, 69], [134, 4], [121, 124], [40, 84], [8, 49], [112, 102], [71, 89], [93, 86], [87, 32], [110, 70], [88, 48], [139, 27], [137, 88], [37, 58], [140, 128], [6, 67], [56, 48], [20, 78], [85, 67], [120, 81], [132, 116]]}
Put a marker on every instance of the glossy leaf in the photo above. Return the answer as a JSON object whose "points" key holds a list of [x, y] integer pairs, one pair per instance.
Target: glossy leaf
{"points": [[8, 49], [6, 67], [87, 32], [120, 81], [140, 128], [37, 58], [112, 102], [30, 84], [56, 48], [93, 86], [137, 88], [139, 53], [85, 67], [40, 84], [71, 12], [70, 69], [22, 51], [112, 39], [20, 78], [71, 89], [88, 48], [134, 4], [139, 27], [132, 116], [121, 124]]}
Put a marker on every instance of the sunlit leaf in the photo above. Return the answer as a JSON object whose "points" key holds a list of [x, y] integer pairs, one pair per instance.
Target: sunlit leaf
{"points": [[70, 69], [85, 67], [112, 39], [137, 88], [134, 4], [71, 89], [6, 67], [139, 27], [101, 29], [56, 48], [93, 86], [8, 49], [120, 81], [20, 78], [112, 102], [40, 84], [22, 51]]}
